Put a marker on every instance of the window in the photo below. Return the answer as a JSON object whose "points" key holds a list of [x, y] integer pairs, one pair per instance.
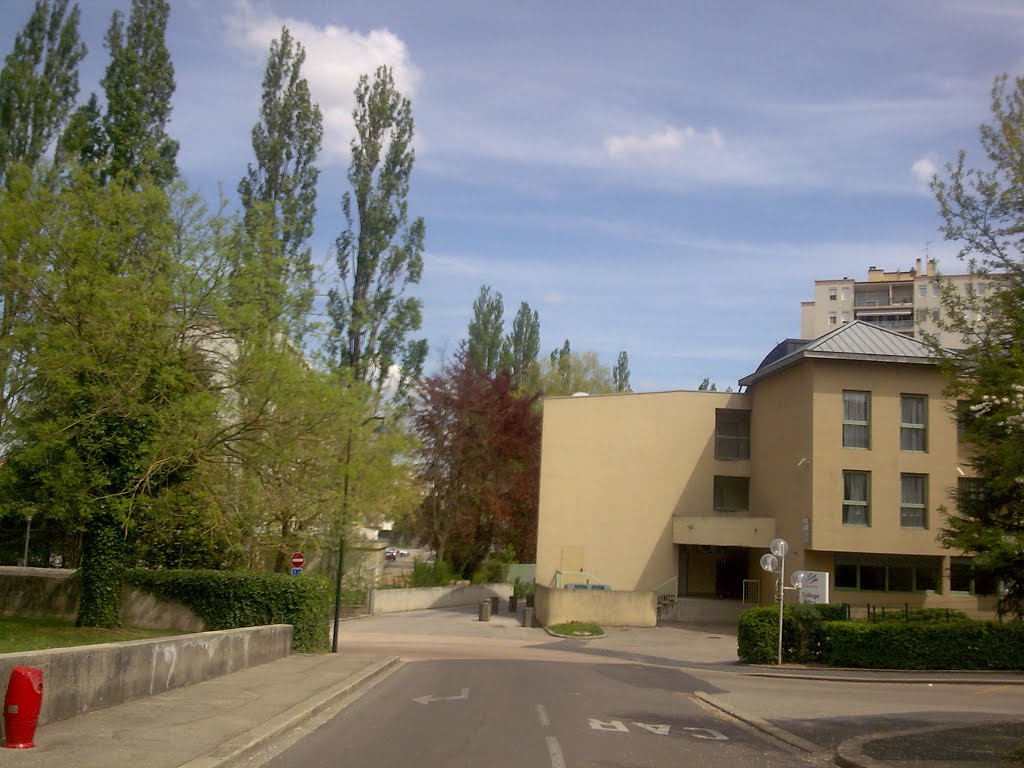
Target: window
{"points": [[913, 495], [732, 494], [922, 290], [969, 491], [831, 318], [963, 412], [845, 293], [856, 492], [832, 294], [732, 434], [936, 290], [856, 419], [935, 315], [845, 318], [964, 577], [913, 424], [881, 574]]}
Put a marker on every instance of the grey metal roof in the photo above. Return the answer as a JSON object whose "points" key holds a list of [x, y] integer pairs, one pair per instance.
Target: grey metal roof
{"points": [[854, 341]]}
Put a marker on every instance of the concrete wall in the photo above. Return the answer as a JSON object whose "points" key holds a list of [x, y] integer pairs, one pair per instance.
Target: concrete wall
{"points": [[419, 598], [603, 607], [51, 592], [76, 680]]}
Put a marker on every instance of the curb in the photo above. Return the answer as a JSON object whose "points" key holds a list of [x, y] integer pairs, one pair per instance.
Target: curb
{"points": [[576, 637], [896, 680], [242, 746], [762, 725], [850, 753]]}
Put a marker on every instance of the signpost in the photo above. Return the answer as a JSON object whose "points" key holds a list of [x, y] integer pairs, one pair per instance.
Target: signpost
{"points": [[298, 560]]}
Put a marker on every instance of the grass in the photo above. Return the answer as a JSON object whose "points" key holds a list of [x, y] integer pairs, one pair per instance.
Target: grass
{"points": [[577, 629], [34, 634]]}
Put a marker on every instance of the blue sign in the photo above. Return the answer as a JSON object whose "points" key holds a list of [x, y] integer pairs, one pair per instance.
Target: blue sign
{"points": [[296, 571]]}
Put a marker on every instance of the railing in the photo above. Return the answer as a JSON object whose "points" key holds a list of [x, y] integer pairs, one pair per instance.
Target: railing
{"points": [[556, 580], [674, 581]]}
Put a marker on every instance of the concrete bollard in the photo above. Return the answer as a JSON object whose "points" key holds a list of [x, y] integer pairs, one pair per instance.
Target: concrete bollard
{"points": [[485, 610], [527, 617], [494, 604]]}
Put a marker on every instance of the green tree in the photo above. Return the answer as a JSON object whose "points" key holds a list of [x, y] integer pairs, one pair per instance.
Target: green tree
{"points": [[39, 82], [278, 193], [521, 346], [620, 373], [380, 252], [84, 141], [982, 210], [566, 372], [707, 386], [485, 330]]}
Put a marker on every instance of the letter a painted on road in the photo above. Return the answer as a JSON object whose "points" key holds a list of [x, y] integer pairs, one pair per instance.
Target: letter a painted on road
{"points": [[661, 730], [611, 725]]}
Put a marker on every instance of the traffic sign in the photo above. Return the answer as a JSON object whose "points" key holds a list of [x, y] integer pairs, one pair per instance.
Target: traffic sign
{"points": [[296, 571], [298, 560]]}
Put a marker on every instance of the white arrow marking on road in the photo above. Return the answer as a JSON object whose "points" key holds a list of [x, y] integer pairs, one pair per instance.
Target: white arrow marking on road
{"points": [[661, 730], [611, 725], [710, 734], [431, 699]]}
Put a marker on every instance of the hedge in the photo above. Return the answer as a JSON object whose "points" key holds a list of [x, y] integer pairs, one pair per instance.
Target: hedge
{"points": [[233, 599], [820, 634]]}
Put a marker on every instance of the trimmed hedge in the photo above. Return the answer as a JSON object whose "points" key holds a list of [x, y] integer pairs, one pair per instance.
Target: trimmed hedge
{"points": [[820, 634], [233, 599]]}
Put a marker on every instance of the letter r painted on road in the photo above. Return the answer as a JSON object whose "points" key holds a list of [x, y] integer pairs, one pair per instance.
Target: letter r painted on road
{"points": [[611, 725]]}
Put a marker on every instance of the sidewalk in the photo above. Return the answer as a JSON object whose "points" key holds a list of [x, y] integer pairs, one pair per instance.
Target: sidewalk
{"points": [[208, 725]]}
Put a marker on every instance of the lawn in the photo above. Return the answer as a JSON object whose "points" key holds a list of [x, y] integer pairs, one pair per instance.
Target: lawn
{"points": [[34, 634]]}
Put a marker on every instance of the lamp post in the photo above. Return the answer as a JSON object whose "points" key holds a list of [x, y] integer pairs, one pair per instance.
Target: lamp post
{"points": [[775, 561]]}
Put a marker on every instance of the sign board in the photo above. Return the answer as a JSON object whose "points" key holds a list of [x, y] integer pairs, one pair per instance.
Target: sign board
{"points": [[296, 571], [814, 587], [298, 560]]}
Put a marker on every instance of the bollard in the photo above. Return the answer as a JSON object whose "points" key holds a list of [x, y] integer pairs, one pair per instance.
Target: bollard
{"points": [[513, 604], [485, 610], [494, 604], [22, 703], [527, 617]]}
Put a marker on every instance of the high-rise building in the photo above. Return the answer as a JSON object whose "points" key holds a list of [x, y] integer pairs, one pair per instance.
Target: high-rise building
{"points": [[906, 302]]}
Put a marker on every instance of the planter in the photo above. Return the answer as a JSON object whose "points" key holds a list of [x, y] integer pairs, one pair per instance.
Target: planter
{"points": [[529, 600]]}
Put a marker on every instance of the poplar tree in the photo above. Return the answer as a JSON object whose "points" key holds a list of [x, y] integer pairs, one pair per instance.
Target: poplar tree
{"points": [[620, 373], [380, 252], [485, 331], [278, 192], [521, 346], [39, 82]]}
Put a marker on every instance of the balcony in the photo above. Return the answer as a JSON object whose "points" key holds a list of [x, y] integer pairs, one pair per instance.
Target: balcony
{"points": [[723, 530], [892, 322]]}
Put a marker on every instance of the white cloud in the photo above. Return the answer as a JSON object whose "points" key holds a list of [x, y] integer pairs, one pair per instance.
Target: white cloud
{"points": [[924, 169], [554, 297], [669, 141], [335, 58]]}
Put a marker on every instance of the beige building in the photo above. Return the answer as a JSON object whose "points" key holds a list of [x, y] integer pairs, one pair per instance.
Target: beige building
{"points": [[904, 302], [846, 447]]}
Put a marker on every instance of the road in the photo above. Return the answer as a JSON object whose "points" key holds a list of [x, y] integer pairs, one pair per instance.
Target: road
{"points": [[497, 712]]}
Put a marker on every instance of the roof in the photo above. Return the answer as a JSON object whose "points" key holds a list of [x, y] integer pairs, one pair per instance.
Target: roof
{"points": [[854, 341]]}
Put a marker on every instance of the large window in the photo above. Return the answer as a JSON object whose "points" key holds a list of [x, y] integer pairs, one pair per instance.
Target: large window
{"points": [[856, 419], [732, 494], [732, 434], [964, 577], [887, 575], [856, 495], [913, 501], [913, 422]]}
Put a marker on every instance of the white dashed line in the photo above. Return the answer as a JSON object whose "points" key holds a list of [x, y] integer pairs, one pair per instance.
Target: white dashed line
{"points": [[555, 751], [542, 716]]}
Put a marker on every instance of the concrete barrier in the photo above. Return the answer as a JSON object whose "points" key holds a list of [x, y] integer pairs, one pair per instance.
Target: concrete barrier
{"points": [[607, 608], [419, 598], [77, 680]]}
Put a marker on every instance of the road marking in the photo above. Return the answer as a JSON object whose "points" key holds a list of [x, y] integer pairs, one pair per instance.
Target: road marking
{"points": [[709, 734], [432, 699], [996, 689], [542, 715], [611, 725], [555, 751], [661, 730]]}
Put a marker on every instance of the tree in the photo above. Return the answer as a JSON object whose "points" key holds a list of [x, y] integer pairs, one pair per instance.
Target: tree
{"points": [[521, 346], [380, 253], [39, 82], [485, 330], [278, 193], [983, 211], [707, 386], [479, 462], [620, 373], [566, 372]]}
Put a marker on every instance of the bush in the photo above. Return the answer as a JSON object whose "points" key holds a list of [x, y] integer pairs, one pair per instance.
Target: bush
{"points": [[960, 644], [521, 588], [920, 614], [436, 574], [233, 599], [803, 632]]}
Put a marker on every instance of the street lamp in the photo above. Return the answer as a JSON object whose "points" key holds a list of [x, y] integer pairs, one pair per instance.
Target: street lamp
{"points": [[775, 561]]}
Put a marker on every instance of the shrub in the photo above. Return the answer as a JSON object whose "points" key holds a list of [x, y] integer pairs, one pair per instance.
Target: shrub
{"points": [[436, 574], [233, 599], [522, 588], [920, 614], [803, 632]]}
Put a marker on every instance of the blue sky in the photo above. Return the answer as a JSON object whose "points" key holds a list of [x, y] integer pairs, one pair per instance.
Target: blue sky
{"points": [[662, 177]]}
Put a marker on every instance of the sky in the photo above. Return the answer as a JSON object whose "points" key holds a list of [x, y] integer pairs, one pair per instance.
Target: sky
{"points": [[663, 177]]}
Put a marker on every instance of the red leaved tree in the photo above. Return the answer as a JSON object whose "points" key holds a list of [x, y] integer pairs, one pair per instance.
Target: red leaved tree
{"points": [[480, 462]]}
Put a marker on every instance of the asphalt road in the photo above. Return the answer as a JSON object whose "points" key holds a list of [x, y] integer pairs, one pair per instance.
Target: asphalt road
{"points": [[497, 712]]}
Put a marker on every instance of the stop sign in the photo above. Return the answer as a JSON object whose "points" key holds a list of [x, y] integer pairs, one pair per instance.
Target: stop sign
{"points": [[298, 560]]}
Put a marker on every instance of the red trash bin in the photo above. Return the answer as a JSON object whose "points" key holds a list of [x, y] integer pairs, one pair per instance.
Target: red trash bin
{"points": [[22, 703]]}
